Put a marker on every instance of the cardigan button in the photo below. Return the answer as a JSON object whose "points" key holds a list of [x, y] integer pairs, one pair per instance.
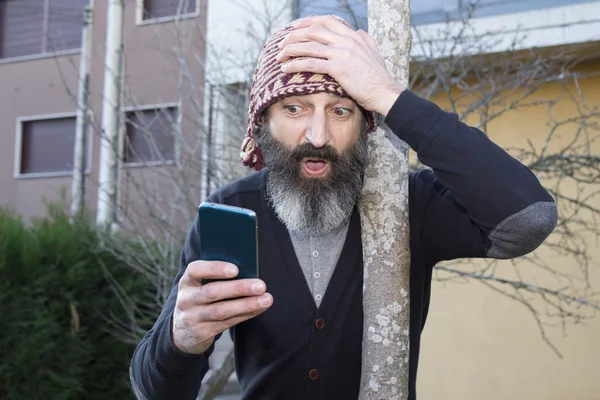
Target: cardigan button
{"points": [[320, 323], [313, 374]]}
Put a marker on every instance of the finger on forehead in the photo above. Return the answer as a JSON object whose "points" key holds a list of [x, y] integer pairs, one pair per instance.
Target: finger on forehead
{"points": [[315, 33], [330, 22], [198, 270]]}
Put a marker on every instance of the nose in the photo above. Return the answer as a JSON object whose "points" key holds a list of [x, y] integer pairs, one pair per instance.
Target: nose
{"points": [[317, 132]]}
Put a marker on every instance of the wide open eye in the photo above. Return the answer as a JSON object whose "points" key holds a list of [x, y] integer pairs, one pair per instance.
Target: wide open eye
{"points": [[292, 109], [341, 112]]}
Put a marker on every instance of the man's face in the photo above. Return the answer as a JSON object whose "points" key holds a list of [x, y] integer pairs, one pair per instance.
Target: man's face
{"points": [[320, 121], [315, 147]]}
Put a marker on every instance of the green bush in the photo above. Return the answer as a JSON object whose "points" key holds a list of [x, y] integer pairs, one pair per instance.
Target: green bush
{"points": [[55, 304]]}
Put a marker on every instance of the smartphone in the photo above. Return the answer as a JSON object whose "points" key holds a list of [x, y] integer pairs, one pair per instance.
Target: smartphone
{"points": [[229, 234]]}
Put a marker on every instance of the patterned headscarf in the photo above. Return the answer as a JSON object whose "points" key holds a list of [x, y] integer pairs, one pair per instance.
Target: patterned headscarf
{"points": [[270, 84]]}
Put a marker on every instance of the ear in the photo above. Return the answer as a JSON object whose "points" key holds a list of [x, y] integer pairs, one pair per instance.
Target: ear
{"points": [[263, 118], [261, 125]]}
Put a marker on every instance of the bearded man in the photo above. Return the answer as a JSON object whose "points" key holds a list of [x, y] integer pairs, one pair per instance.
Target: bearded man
{"points": [[297, 330]]}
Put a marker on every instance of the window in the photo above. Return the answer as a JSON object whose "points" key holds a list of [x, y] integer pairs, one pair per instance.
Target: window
{"points": [[353, 11], [167, 8], [47, 146], [150, 135], [233, 109], [29, 27], [228, 104], [425, 11], [234, 106]]}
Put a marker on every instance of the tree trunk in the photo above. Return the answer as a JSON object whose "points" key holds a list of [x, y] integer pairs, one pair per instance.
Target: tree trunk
{"points": [[385, 229]]}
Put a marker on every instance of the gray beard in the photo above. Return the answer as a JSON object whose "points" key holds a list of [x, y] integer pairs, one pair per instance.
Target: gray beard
{"points": [[313, 205]]}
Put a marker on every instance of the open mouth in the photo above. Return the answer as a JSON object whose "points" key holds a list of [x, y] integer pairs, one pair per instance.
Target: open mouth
{"points": [[315, 167]]}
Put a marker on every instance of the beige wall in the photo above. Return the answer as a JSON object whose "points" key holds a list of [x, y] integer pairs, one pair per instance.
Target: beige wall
{"points": [[478, 344]]}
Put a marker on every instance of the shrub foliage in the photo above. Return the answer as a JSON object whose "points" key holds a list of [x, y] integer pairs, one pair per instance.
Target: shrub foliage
{"points": [[56, 305]]}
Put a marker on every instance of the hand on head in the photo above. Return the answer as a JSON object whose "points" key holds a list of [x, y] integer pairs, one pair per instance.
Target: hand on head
{"points": [[204, 311], [327, 45]]}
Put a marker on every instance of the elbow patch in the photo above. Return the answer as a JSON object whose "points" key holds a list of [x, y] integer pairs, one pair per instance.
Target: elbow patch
{"points": [[524, 231]]}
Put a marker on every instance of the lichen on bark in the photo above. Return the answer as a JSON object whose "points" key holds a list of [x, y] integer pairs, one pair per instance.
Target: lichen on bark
{"points": [[385, 229]]}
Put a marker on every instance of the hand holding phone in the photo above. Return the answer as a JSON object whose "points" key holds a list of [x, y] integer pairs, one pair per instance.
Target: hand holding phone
{"points": [[221, 289], [202, 311]]}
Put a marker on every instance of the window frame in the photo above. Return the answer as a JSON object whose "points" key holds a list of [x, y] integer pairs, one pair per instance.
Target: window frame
{"points": [[123, 134], [29, 57], [140, 21], [17, 174]]}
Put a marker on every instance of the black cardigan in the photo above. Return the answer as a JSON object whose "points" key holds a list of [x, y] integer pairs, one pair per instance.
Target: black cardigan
{"points": [[456, 210]]}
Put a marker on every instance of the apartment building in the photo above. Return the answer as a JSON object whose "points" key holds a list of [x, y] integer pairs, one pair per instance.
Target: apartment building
{"points": [[40, 47]]}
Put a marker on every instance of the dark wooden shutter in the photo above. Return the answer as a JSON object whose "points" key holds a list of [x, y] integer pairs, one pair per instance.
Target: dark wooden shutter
{"points": [[150, 135], [47, 145], [26, 28], [168, 8], [65, 21], [21, 25]]}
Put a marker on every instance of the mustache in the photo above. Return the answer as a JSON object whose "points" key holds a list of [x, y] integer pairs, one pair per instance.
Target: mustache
{"points": [[307, 150]]}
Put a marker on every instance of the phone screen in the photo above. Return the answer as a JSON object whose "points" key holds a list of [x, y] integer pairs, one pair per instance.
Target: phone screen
{"points": [[229, 234]]}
